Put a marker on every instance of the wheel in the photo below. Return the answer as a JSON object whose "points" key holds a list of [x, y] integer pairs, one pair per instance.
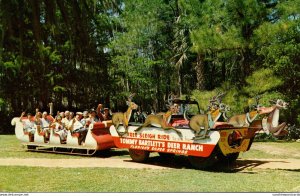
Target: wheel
{"points": [[227, 159], [139, 155], [166, 156]]}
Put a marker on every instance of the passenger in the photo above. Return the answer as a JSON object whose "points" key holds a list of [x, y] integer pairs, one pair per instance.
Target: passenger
{"points": [[77, 127], [99, 112], [38, 118], [66, 120], [45, 123], [29, 125], [62, 114], [60, 129], [71, 116], [106, 114], [93, 116], [85, 121]]}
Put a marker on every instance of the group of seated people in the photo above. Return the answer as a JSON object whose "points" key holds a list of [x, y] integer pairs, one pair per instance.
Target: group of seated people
{"points": [[63, 122]]}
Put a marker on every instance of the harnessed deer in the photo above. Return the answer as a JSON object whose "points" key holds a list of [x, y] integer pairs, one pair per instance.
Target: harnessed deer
{"points": [[123, 118], [161, 119], [244, 120], [207, 121], [270, 124]]}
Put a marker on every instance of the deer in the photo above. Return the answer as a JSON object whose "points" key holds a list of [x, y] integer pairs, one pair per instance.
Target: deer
{"points": [[207, 121], [270, 124], [123, 118], [161, 119], [244, 120]]}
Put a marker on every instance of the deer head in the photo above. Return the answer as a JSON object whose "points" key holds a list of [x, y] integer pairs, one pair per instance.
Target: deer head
{"points": [[257, 106], [131, 104], [279, 103], [215, 101]]}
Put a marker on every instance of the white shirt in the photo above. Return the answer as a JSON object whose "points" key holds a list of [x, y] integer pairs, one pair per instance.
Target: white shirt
{"points": [[28, 124], [77, 125], [45, 122]]}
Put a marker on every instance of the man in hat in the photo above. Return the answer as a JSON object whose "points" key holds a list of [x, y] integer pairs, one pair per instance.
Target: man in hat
{"points": [[76, 126], [93, 116]]}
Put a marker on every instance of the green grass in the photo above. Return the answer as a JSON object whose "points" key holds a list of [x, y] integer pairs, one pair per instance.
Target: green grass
{"points": [[273, 150], [179, 179], [33, 179], [10, 147]]}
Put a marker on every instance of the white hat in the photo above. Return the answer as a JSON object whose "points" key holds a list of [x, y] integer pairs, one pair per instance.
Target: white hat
{"points": [[79, 113], [85, 113]]}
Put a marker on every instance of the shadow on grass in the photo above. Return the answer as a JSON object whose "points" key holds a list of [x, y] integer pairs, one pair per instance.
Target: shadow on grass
{"points": [[182, 162]]}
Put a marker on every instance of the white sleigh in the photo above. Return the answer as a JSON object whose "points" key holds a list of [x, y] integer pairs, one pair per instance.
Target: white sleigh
{"points": [[19, 130]]}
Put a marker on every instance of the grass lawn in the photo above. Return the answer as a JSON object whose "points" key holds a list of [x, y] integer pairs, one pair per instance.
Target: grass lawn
{"points": [[38, 179]]}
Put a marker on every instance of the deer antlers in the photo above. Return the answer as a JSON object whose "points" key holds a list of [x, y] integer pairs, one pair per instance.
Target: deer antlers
{"points": [[217, 98], [131, 96]]}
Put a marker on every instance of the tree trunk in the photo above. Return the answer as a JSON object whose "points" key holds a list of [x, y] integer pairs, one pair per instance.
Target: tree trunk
{"points": [[36, 19], [199, 68], [179, 81]]}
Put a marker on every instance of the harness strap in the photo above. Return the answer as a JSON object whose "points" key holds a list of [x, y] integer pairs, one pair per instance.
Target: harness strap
{"points": [[210, 121], [249, 119]]}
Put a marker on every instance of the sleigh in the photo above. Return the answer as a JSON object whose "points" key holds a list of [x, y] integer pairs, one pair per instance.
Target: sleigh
{"points": [[98, 138], [222, 143]]}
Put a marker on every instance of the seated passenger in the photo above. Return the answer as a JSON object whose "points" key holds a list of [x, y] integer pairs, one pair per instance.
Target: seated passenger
{"points": [[99, 112], [29, 125], [106, 115], [45, 123], [77, 127], [60, 129], [66, 120], [85, 121], [93, 116], [37, 118], [71, 116]]}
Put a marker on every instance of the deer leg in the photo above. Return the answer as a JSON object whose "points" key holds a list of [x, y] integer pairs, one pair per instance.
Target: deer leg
{"points": [[278, 128], [281, 131], [168, 128], [142, 126], [204, 135]]}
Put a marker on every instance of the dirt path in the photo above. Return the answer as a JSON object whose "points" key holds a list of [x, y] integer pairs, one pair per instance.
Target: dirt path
{"points": [[272, 149], [241, 164]]}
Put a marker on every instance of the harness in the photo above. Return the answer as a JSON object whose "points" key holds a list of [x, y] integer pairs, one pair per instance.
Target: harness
{"points": [[249, 119], [211, 122]]}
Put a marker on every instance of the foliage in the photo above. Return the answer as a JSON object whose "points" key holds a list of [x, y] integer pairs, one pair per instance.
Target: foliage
{"points": [[293, 133], [261, 81]]}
